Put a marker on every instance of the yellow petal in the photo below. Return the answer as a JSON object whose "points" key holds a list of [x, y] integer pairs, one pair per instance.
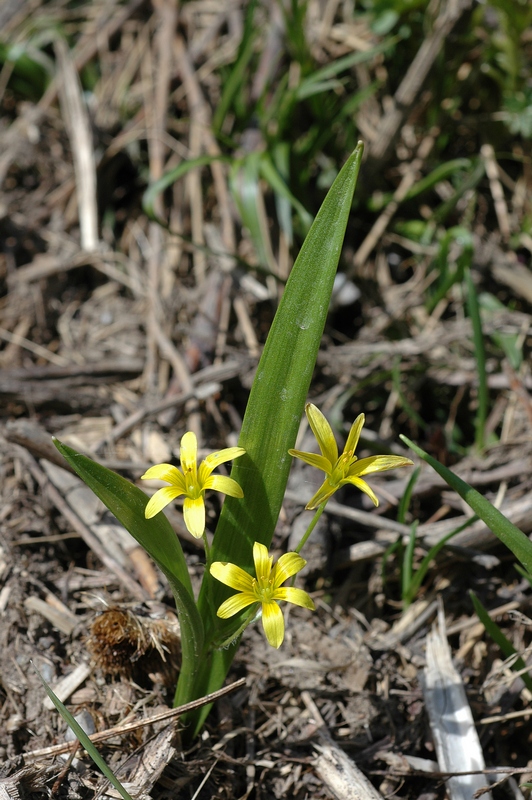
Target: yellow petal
{"points": [[232, 576], [220, 483], [323, 433], [320, 462], [263, 562], [234, 604], [288, 565], [194, 516], [165, 472], [354, 434], [189, 452], [273, 624], [363, 486], [296, 596], [160, 500], [215, 459], [322, 495], [379, 464]]}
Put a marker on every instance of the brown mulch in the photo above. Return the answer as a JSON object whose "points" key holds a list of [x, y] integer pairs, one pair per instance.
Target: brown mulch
{"points": [[120, 343]]}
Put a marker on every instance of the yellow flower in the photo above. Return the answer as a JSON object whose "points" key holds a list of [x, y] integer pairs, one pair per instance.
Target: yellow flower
{"points": [[192, 482], [265, 589], [344, 469]]}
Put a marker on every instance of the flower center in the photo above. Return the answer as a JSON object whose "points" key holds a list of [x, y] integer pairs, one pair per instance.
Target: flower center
{"points": [[341, 468], [263, 589], [193, 488]]}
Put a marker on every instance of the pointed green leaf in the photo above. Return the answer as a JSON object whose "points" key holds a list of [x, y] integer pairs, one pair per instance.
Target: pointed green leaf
{"points": [[506, 531], [281, 384], [501, 640], [273, 414], [84, 740], [127, 502]]}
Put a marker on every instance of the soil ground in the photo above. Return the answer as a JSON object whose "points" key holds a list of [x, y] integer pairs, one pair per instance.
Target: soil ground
{"points": [[119, 346]]}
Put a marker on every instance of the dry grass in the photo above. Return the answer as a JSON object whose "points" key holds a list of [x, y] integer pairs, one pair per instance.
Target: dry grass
{"points": [[118, 334]]}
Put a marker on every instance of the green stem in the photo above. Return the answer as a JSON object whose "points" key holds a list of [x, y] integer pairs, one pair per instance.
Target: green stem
{"points": [[207, 551], [252, 617], [317, 515], [480, 354]]}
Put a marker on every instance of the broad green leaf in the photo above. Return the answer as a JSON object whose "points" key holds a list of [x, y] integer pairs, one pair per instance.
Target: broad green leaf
{"points": [[127, 503], [274, 411], [506, 531], [281, 384]]}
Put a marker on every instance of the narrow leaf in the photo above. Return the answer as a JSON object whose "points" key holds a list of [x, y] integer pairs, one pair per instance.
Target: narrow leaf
{"points": [[156, 536], [84, 739], [506, 531], [500, 639]]}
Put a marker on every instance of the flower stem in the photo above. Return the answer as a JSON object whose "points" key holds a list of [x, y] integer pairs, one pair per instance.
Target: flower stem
{"points": [[207, 550], [315, 518], [254, 615]]}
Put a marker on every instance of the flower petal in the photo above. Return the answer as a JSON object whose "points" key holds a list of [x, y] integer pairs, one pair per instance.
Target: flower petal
{"points": [[165, 472], [220, 483], [354, 434], [323, 433], [234, 604], [320, 462], [273, 624], [160, 500], [379, 464], [232, 576], [189, 452], [288, 565], [296, 596], [322, 495], [215, 459], [194, 516], [363, 486], [263, 562]]}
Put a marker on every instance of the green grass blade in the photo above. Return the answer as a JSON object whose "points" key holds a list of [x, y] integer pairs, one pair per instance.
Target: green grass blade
{"points": [[506, 531], [440, 173], [480, 354], [234, 83], [407, 408], [415, 583], [344, 63], [524, 573], [510, 343], [168, 179], [244, 182], [271, 175], [408, 559], [84, 740], [404, 505], [500, 639]]}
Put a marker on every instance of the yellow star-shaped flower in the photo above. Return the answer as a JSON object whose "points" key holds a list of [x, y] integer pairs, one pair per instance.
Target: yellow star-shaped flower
{"points": [[344, 469], [265, 589], [192, 482]]}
